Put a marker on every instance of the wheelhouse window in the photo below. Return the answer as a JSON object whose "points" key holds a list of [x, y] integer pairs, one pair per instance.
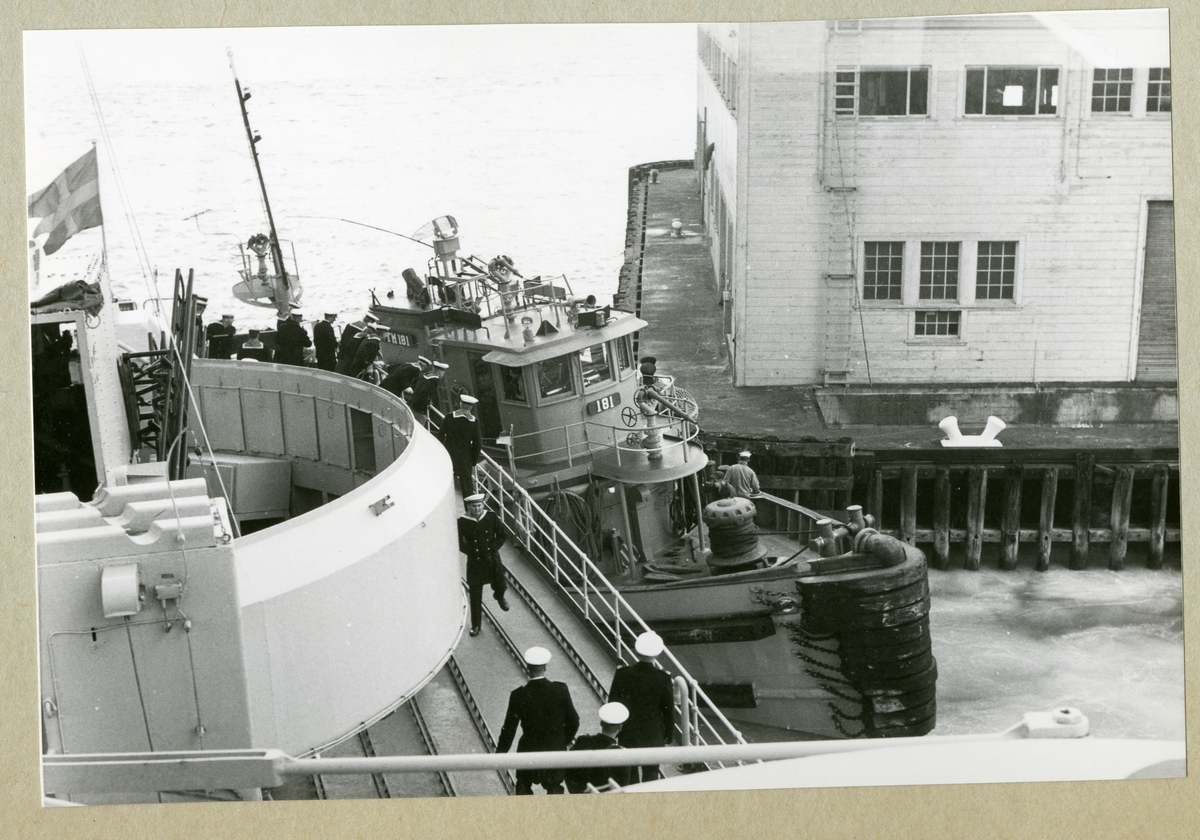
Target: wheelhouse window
{"points": [[1012, 91], [883, 270], [513, 380], [554, 378], [1158, 91], [932, 323], [1112, 90], [996, 271], [882, 91], [594, 363], [624, 353], [939, 271]]}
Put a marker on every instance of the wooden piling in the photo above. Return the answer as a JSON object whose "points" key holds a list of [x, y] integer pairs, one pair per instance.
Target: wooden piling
{"points": [[908, 505], [976, 497], [1010, 525], [1085, 467], [1158, 508], [875, 503], [1046, 519], [941, 519], [1119, 518]]}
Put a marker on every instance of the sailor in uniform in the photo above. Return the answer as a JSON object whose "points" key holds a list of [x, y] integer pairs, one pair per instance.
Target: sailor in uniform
{"points": [[200, 337], [425, 391], [325, 342], [480, 535], [645, 690], [366, 353], [252, 348], [405, 375], [548, 721], [291, 339], [742, 479], [461, 436], [352, 336], [612, 715], [220, 337]]}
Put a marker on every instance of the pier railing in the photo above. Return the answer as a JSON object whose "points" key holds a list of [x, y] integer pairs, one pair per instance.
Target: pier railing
{"points": [[596, 601]]}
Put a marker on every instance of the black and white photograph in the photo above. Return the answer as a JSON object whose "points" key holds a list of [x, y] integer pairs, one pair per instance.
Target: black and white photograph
{"points": [[600, 409]]}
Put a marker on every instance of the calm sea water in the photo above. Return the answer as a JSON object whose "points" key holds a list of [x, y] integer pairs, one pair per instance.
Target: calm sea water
{"points": [[525, 135]]}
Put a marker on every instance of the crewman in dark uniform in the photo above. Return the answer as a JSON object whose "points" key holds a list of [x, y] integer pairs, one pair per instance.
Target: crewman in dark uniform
{"points": [[425, 392], [200, 337], [220, 337], [352, 336], [291, 339], [480, 535], [548, 721], [405, 375], [461, 436], [612, 715], [367, 351], [325, 342], [645, 690], [252, 348]]}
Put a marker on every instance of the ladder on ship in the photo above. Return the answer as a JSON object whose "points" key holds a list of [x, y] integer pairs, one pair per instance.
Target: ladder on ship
{"points": [[558, 600]]}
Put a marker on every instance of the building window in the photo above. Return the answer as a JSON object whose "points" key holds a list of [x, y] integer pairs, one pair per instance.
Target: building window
{"points": [[722, 69], [1158, 91], [554, 377], [996, 271], [882, 92], [1112, 91], [939, 271], [514, 384], [1012, 91], [937, 323], [883, 270], [593, 361]]}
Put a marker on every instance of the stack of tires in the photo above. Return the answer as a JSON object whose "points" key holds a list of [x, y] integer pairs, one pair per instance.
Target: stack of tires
{"points": [[880, 620]]}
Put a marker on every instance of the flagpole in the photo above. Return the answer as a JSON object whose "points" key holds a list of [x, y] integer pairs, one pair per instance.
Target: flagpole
{"points": [[103, 231]]}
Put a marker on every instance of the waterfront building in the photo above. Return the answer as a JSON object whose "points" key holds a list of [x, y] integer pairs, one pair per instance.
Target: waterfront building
{"points": [[972, 200]]}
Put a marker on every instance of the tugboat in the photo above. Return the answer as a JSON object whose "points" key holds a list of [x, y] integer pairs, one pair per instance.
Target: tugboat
{"points": [[820, 626]]}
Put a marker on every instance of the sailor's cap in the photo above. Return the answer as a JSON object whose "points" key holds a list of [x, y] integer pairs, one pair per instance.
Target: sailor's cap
{"points": [[614, 713], [743, 454], [331, 314], [441, 365], [648, 644], [369, 318], [467, 399], [297, 312], [201, 300], [423, 360], [225, 315], [293, 306], [476, 497], [537, 656]]}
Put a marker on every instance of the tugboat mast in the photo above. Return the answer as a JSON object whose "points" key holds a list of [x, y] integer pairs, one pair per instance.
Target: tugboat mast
{"points": [[276, 251]]}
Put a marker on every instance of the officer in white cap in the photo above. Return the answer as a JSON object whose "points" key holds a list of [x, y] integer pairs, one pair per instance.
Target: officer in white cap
{"points": [[425, 392], [460, 435], [291, 338], [612, 715], [742, 479], [480, 535], [645, 689], [547, 718]]}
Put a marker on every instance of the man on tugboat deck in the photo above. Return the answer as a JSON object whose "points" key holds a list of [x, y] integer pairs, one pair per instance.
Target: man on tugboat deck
{"points": [[461, 436], [480, 535], [645, 690], [548, 721], [743, 481]]}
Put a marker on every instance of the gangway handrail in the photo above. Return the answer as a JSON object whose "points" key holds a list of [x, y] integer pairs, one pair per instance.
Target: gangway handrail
{"points": [[605, 611]]}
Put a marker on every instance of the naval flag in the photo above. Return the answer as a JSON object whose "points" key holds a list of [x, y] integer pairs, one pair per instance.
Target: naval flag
{"points": [[70, 204]]}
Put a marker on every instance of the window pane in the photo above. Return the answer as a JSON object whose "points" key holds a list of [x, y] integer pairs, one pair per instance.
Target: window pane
{"points": [[1048, 92], [1158, 91], [975, 80], [593, 361], [624, 356], [939, 271], [514, 383], [918, 91], [554, 377], [1112, 90], [1010, 90], [939, 323], [883, 93], [883, 270], [996, 271]]}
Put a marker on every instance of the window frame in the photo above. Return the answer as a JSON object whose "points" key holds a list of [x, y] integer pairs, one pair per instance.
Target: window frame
{"points": [[1158, 97], [1056, 91], [521, 378], [959, 319], [1013, 299], [1124, 84], [946, 285], [572, 393], [608, 364], [890, 300], [855, 85]]}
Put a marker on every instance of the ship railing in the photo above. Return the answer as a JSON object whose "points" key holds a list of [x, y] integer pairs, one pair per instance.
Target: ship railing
{"points": [[791, 520], [578, 441], [595, 600], [476, 294]]}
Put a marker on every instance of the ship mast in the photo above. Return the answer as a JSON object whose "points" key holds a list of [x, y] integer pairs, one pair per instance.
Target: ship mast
{"points": [[276, 251]]}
